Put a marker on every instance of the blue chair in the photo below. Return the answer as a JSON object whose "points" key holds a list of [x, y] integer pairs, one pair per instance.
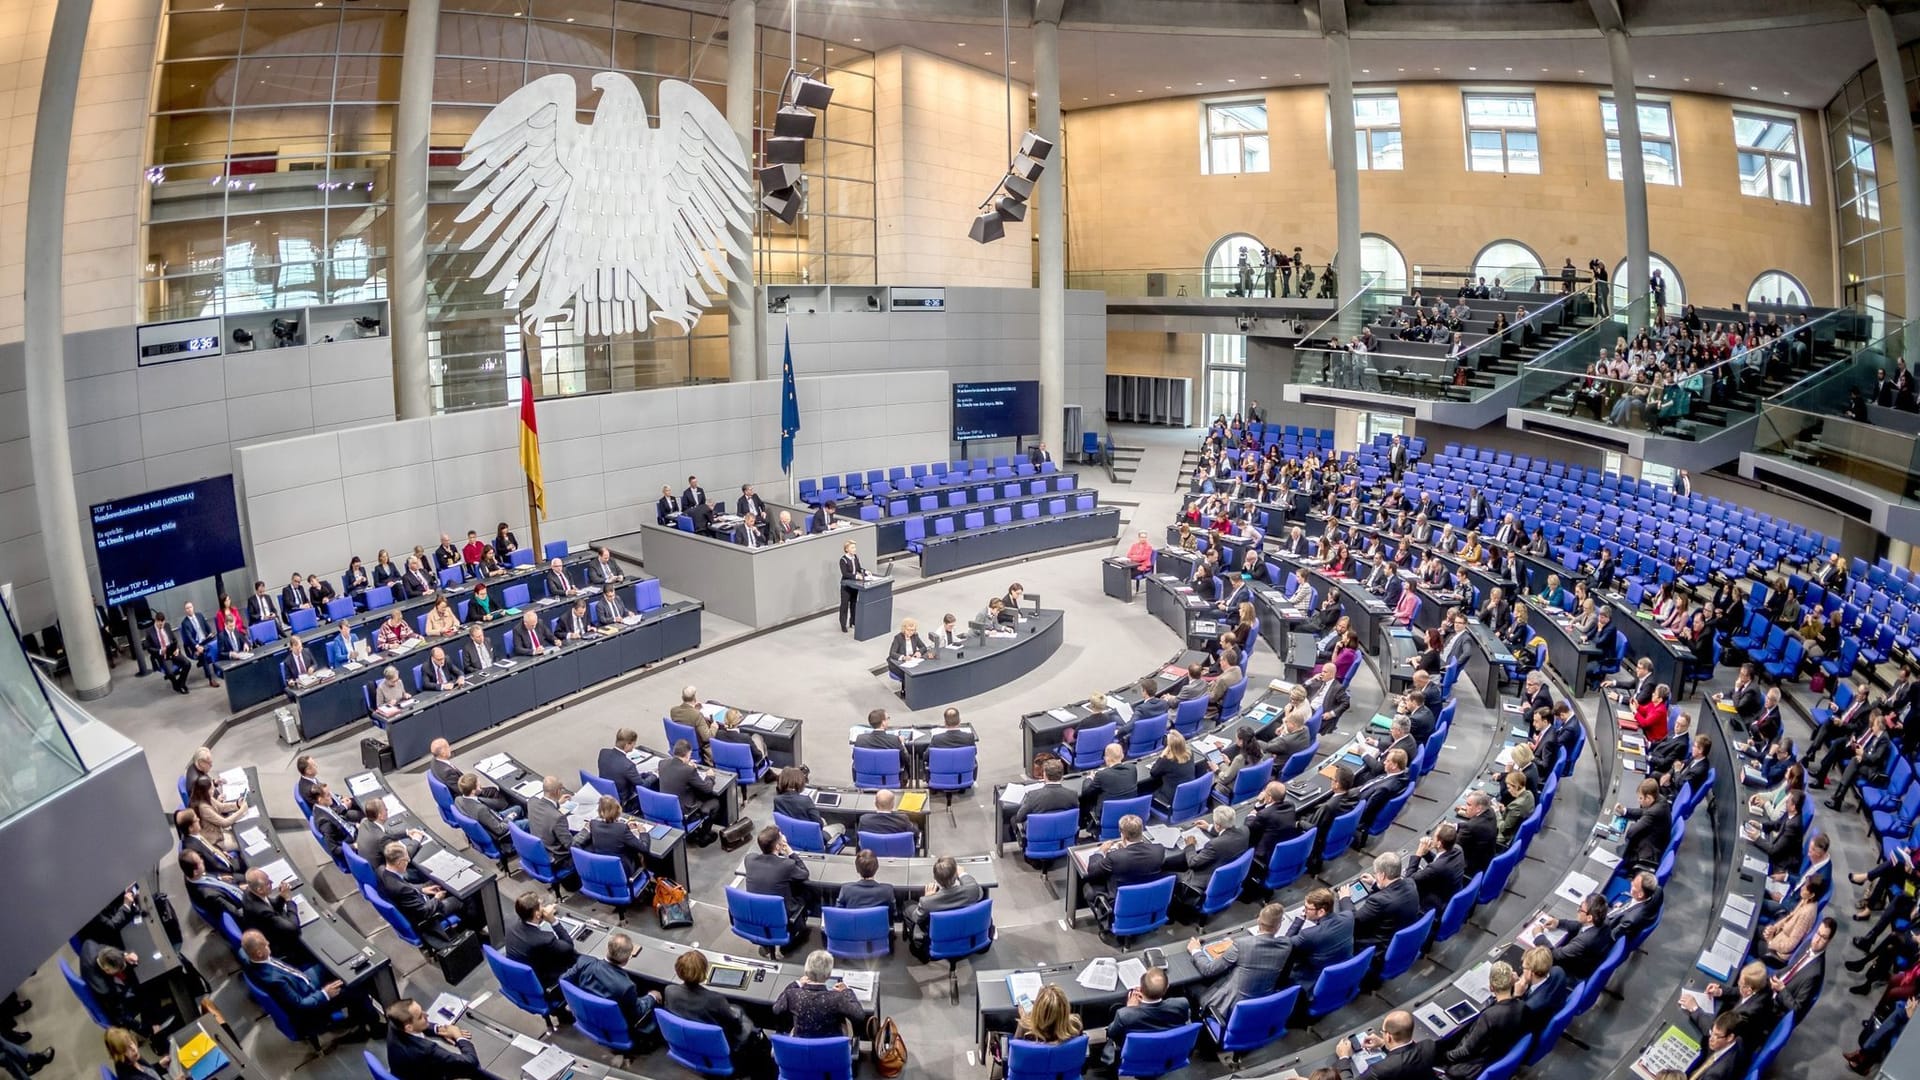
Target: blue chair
{"points": [[339, 607], [1763, 1060], [858, 933], [604, 878], [1341, 833], [1147, 736], [264, 633], [1288, 861], [1189, 800], [442, 799], [1157, 1053], [534, 857], [281, 1021], [1338, 984], [1404, 948], [952, 769], [1138, 909], [599, 1019], [479, 839], [519, 984], [1189, 715], [402, 928], [1223, 886], [359, 868], [1298, 763], [955, 935], [520, 557], [1550, 1035], [1049, 835], [181, 786], [1509, 1062], [1498, 871], [303, 620], [1042, 1061], [898, 845], [1089, 747], [229, 931], [452, 575], [555, 549], [876, 767], [1247, 783], [1254, 1022], [1459, 906], [700, 1047], [379, 597], [374, 1068], [1112, 810], [676, 732], [804, 835], [737, 758], [662, 809], [829, 1058], [79, 988], [760, 919]]}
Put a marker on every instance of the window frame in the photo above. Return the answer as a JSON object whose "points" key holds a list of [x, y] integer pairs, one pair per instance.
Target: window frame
{"points": [[1239, 138], [1798, 156], [1504, 130], [1363, 131], [1866, 181], [1611, 138]]}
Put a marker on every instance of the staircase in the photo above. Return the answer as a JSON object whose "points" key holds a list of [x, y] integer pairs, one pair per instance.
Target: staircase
{"points": [[1514, 359], [1123, 461]]}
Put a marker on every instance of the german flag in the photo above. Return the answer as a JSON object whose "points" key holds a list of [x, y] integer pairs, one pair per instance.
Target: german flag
{"points": [[530, 441]]}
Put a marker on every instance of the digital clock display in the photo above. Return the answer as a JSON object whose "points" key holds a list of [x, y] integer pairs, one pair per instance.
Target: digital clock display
{"points": [[167, 348], [188, 339]]}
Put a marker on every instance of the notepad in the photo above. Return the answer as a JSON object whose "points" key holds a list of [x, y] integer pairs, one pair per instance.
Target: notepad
{"points": [[363, 783], [253, 841], [278, 871], [1013, 793], [527, 789], [913, 802], [1576, 887], [234, 786], [1023, 987]]}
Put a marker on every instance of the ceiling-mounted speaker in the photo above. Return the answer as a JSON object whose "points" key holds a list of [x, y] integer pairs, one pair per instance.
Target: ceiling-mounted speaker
{"points": [[1010, 208], [1018, 186], [786, 151], [1035, 147], [793, 122], [783, 203], [1027, 168], [776, 177], [987, 228], [811, 93]]}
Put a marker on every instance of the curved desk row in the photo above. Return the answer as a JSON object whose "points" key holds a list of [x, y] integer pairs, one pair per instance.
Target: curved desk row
{"points": [[891, 538], [980, 665], [908, 877], [1046, 729], [1085, 523]]}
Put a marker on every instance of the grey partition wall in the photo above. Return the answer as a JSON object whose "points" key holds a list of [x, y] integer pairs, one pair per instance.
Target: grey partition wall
{"points": [[763, 587]]}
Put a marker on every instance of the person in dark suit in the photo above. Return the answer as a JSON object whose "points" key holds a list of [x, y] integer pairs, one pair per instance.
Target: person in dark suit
{"points": [[165, 651], [293, 595], [1226, 841], [1782, 842], [1865, 754], [776, 871], [667, 508], [610, 979], [850, 571], [1044, 798], [557, 580], [950, 890], [951, 734], [1251, 966], [481, 606], [909, 643], [1543, 988], [271, 912], [617, 768], [1797, 987], [504, 543], [1722, 1058], [1272, 821], [877, 737], [418, 582], [821, 519], [750, 503], [610, 610], [1343, 800], [442, 673], [208, 893], [333, 829], [1580, 955], [883, 819], [1477, 833], [531, 636], [692, 999], [448, 773], [1147, 1009], [547, 823], [1749, 1000], [309, 786], [790, 799], [418, 1050], [865, 892], [1321, 936], [1407, 1058], [1649, 827], [690, 784], [371, 837], [1439, 867], [1638, 909], [467, 801], [226, 865], [694, 495], [310, 1000], [749, 533], [1128, 860], [1664, 754], [407, 887], [1378, 792], [1392, 905], [536, 940], [195, 634], [1114, 780], [1467, 1052], [606, 834], [261, 607]]}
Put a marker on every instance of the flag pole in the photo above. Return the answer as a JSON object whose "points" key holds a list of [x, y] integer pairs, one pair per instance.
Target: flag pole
{"points": [[533, 520], [786, 328]]}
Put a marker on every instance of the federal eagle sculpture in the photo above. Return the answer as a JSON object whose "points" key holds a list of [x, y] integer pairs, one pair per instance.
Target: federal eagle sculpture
{"points": [[614, 223]]}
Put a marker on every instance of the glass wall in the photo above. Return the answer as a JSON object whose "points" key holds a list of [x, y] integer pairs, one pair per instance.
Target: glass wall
{"points": [[1864, 188], [40, 757], [269, 183]]}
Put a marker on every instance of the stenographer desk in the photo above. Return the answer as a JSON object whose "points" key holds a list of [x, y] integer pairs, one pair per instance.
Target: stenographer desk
{"points": [[981, 665], [255, 678]]}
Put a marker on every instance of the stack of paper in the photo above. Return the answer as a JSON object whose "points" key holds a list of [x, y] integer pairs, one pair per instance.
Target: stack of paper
{"points": [[860, 982], [527, 789], [363, 783], [1739, 911], [1101, 973], [447, 1009], [1065, 716], [253, 841], [1013, 793], [1753, 864], [1605, 858], [1130, 970], [304, 908], [278, 871], [496, 767], [1473, 981], [1576, 887], [233, 785]]}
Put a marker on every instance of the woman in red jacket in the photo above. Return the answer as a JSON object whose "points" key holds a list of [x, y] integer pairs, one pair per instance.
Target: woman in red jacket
{"points": [[1652, 717]]}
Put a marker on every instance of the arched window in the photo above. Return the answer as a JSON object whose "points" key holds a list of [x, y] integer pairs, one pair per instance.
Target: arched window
{"points": [[1225, 275], [1676, 290], [1510, 263], [1381, 264], [1777, 287]]}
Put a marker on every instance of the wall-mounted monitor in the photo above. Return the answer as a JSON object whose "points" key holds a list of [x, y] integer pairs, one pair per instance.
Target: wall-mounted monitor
{"points": [[995, 410], [165, 538]]}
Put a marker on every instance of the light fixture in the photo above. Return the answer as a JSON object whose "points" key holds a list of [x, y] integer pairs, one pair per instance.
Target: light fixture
{"points": [[1008, 199], [783, 184]]}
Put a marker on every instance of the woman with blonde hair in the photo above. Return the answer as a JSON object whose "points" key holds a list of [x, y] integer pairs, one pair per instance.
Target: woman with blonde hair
{"points": [[1175, 766], [123, 1050], [1050, 1019], [442, 620]]}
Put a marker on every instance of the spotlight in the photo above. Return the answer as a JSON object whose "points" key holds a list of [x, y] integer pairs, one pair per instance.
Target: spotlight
{"points": [[367, 325], [286, 332], [873, 302], [793, 122], [242, 337], [987, 228], [1027, 168]]}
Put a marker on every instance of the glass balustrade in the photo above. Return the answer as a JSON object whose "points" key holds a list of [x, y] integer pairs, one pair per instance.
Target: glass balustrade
{"points": [[36, 756], [1807, 424]]}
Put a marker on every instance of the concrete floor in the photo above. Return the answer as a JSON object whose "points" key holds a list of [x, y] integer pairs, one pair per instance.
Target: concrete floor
{"points": [[811, 671]]}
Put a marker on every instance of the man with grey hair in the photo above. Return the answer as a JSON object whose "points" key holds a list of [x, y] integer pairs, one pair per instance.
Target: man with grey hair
{"points": [[414, 895], [1477, 832], [821, 1006], [1391, 905], [1227, 840], [690, 714], [270, 911], [371, 838], [610, 979], [951, 890], [1468, 1051]]}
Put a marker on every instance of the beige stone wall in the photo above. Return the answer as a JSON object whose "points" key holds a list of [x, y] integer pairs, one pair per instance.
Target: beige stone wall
{"points": [[1138, 200], [940, 143], [107, 158]]}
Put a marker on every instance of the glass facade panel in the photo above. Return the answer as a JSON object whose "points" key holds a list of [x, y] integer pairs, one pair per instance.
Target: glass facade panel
{"points": [[1236, 137]]}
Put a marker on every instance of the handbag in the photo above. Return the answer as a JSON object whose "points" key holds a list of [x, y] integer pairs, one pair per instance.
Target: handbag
{"points": [[670, 904], [889, 1049]]}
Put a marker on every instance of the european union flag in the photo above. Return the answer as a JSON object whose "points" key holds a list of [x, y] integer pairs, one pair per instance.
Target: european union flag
{"points": [[789, 407]]}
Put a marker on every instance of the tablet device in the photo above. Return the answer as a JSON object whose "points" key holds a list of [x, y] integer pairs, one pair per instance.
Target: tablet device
{"points": [[727, 978], [828, 798], [1463, 1011]]}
